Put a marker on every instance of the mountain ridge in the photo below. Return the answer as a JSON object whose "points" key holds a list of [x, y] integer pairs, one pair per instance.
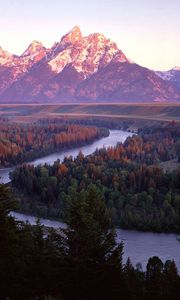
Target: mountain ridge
{"points": [[172, 75], [76, 69]]}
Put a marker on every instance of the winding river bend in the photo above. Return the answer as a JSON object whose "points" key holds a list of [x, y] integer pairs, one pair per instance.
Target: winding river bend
{"points": [[114, 137], [139, 246]]}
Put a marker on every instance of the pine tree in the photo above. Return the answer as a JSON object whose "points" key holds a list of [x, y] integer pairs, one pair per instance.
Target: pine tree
{"points": [[172, 280], [8, 243], [93, 258], [154, 278]]}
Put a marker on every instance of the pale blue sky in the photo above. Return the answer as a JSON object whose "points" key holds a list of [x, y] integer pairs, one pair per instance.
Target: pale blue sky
{"points": [[148, 31]]}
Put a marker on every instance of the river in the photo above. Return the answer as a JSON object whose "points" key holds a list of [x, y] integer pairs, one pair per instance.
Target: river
{"points": [[139, 246], [111, 140]]}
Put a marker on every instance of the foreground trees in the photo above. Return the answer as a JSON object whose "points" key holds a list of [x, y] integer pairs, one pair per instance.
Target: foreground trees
{"points": [[92, 256], [80, 262]]}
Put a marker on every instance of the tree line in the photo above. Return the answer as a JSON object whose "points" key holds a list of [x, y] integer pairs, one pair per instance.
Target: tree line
{"points": [[82, 261], [138, 193], [25, 142]]}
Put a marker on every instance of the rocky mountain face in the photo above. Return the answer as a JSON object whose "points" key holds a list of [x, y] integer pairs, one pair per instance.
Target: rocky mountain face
{"points": [[78, 69], [172, 76], [13, 67]]}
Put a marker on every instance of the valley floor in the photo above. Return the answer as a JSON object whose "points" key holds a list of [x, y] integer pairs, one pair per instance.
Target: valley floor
{"points": [[140, 112]]}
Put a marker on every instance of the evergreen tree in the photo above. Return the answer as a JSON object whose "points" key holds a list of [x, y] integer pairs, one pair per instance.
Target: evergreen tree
{"points": [[154, 278], [172, 281], [82, 261], [93, 258], [9, 251]]}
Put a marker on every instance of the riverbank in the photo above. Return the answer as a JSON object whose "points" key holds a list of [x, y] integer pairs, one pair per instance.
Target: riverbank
{"points": [[30, 206], [139, 246], [22, 143], [111, 140], [41, 155], [135, 189]]}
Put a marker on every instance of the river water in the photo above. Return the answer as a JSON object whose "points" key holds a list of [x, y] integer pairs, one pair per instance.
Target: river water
{"points": [[139, 246], [114, 137]]}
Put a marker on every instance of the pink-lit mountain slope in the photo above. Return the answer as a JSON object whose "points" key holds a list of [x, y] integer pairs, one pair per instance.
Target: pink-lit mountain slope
{"points": [[79, 69], [172, 76]]}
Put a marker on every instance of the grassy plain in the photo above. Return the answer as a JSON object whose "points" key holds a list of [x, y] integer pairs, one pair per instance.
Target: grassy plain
{"points": [[136, 111]]}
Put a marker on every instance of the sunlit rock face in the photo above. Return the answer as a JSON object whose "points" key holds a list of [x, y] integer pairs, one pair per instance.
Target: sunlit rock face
{"points": [[78, 68]]}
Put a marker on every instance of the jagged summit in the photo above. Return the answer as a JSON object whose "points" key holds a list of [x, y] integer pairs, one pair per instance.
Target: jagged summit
{"points": [[6, 58], [4, 52], [76, 28], [34, 47], [172, 76], [85, 54], [81, 68], [72, 36]]}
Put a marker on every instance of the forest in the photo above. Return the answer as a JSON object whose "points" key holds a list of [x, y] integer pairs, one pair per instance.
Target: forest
{"points": [[82, 261], [136, 190], [25, 142]]}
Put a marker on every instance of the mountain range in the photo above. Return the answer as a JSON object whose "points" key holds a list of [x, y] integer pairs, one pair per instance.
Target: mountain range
{"points": [[82, 69]]}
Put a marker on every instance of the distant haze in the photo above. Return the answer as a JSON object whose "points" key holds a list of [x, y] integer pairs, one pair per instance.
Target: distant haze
{"points": [[147, 31]]}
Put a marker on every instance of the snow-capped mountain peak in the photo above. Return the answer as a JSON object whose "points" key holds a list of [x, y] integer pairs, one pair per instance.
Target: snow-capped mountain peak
{"points": [[6, 58], [33, 48], [85, 54], [172, 75], [82, 67], [33, 54], [72, 36], [4, 52]]}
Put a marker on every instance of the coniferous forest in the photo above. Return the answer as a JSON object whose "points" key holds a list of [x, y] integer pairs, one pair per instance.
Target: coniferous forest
{"points": [[89, 150], [137, 191], [122, 186], [82, 261]]}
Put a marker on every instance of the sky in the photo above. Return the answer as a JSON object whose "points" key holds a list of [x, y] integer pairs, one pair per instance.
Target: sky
{"points": [[147, 31]]}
